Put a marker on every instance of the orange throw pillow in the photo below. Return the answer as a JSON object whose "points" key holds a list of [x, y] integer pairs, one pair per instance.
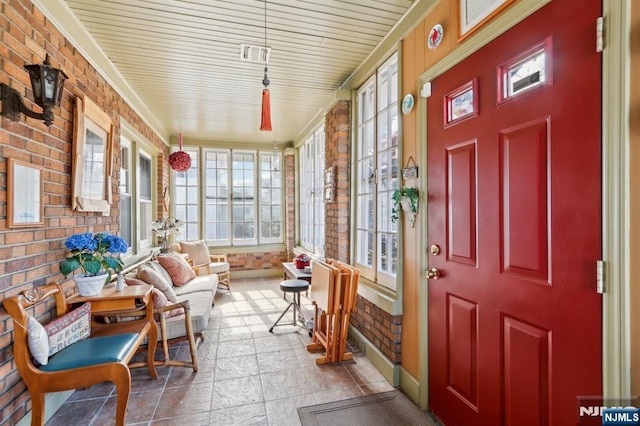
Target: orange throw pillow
{"points": [[177, 267]]}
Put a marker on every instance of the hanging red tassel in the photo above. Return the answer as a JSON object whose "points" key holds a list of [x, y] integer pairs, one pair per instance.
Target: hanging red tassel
{"points": [[265, 124]]}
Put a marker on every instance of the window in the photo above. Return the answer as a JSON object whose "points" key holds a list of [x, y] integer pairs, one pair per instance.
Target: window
{"points": [[145, 205], [186, 198], [312, 166], [377, 175], [270, 197], [126, 207], [137, 190], [242, 193]]}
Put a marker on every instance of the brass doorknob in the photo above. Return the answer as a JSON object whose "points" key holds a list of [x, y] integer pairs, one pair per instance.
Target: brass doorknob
{"points": [[432, 273]]}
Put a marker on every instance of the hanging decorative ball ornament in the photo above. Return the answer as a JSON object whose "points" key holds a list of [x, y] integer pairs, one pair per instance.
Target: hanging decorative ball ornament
{"points": [[180, 161]]}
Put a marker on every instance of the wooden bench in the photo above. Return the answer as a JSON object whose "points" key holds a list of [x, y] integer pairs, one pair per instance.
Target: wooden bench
{"points": [[102, 357]]}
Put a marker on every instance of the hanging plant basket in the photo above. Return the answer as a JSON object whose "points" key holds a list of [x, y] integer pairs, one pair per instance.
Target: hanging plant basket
{"points": [[405, 199]]}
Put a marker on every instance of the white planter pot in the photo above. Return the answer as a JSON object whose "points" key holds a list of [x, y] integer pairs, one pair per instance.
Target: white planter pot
{"points": [[90, 286], [405, 203]]}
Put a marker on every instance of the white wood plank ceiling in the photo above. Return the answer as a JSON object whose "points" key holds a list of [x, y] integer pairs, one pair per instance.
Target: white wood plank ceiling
{"points": [[182, 58]]}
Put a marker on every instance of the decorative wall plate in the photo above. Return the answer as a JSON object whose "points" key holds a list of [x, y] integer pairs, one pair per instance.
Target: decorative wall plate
{"points": [[407, 104], [435, 36]]}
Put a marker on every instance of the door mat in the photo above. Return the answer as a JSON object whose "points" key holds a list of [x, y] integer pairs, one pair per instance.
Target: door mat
{"points": [[384, 409]]}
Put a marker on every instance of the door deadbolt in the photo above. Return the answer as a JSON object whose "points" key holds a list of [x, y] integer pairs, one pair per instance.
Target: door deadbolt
{"points": [[435, 249]]}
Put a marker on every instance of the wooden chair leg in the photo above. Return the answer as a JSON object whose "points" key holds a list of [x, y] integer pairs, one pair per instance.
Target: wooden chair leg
{"points": [[192, 340], [224, 278], [189, 337], [37, 409], [163, 336], [122, 381]]}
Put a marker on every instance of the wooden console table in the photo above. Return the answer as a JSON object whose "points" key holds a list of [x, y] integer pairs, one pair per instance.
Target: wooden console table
{"points": [[290, 272], [111, 302]]}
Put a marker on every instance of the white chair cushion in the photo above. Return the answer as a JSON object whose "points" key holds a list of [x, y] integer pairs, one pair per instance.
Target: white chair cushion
{"points": [[219, 267], [200, 283]]}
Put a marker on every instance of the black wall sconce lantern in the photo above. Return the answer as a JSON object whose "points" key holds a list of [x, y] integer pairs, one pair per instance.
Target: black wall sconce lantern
{"points": [[47, 84]]}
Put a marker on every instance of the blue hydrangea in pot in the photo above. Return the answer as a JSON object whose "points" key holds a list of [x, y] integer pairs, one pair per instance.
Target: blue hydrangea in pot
{"points": [[95, 255]]}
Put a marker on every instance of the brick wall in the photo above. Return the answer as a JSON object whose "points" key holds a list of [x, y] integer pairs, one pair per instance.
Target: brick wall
{"points": [[30, 257], [290, 202], [379, 327], [382, 329], [256, 260], [337, 151]]}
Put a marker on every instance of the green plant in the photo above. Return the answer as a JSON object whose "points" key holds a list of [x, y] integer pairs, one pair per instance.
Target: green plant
{"points": [[93, 253], [411, 193]]}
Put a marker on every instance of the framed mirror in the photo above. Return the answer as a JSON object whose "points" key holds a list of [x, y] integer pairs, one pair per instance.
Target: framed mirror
{"points": [[92, 158], [25, 206]]}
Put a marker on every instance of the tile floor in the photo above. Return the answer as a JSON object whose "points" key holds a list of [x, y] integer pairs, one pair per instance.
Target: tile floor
{"points": [[247, 376]]}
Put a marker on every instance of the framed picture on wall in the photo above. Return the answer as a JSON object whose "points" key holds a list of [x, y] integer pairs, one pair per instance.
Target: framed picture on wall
{"points": [[473, 14], [328, 185], [25, 206]]}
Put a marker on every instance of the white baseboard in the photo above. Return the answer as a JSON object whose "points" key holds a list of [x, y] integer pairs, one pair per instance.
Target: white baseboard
{"points": [[52, 403], [411, 386], [256, 273], [395, 374], [390, 371]]}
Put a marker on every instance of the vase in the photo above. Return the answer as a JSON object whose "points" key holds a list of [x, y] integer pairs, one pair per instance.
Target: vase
{"points": [[90, 285], [164, 248]]}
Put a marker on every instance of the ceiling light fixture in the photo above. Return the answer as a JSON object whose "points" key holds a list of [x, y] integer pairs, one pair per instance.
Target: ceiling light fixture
{"points": [[47, 84], [265, 124]]}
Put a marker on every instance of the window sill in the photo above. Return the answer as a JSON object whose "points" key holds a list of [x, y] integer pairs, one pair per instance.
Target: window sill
{"points": [[382, 297], [254, 248]]}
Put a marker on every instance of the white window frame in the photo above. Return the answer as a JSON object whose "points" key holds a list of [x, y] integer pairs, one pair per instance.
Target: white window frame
{"points": [[137, 144], [311, 158], [188, 210], [145, 235], [202, 222], [274, 160], [377, 111], [127, 190], [233, 203]]}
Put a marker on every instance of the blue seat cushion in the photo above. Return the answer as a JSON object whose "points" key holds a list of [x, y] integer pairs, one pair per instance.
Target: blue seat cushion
{"points": [[92, 351]]}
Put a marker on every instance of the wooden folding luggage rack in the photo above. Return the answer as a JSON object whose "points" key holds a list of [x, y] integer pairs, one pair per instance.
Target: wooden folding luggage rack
{"points": [[334, 286]]}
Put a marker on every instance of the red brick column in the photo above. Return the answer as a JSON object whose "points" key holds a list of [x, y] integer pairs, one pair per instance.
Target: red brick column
{"points": [[337, 153], [290, 201]]}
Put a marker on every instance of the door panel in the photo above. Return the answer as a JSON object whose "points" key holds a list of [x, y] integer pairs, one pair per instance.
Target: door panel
{"points": [[524, 182], [462, 349], [526, 373], [461, 203], [514, 202]]}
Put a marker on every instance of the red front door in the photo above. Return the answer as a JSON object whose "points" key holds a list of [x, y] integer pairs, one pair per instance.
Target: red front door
{"points": [[514, 205]]}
